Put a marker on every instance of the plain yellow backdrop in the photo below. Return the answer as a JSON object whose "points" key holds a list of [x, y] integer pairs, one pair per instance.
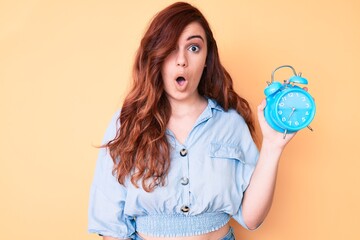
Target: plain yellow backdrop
{"points": [[65, 67]]}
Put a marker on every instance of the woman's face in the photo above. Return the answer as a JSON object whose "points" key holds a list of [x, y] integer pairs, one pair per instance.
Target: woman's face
{"points": [[182, 69]]}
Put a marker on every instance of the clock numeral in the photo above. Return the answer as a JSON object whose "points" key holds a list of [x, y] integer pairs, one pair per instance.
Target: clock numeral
{"points": [[290, 94], [303, 99], [283, 119], [280, 112], [296, 123], [307, 105], [307, 113], [290, 123], [297, 94], [283, 98], [281, 104], [303, 119]]}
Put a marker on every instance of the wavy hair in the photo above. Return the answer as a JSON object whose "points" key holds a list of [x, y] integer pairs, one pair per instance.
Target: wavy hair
{"points": [[140, 142]]}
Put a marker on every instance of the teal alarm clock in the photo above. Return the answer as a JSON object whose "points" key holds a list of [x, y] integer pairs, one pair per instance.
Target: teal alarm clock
{"points": [[289, 107]]}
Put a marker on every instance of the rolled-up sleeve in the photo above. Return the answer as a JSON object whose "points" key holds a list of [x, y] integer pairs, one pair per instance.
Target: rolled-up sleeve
{"points": [[107, 197]]}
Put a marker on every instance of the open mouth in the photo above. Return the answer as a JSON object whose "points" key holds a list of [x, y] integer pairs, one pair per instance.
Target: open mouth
{"points": [[180, 80]]}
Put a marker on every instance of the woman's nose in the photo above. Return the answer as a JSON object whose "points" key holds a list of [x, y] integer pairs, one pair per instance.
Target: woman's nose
{"points": [[181, 60]]}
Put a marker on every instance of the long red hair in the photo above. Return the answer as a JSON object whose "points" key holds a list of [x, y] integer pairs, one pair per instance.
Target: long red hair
{"points": [[140, 142]]}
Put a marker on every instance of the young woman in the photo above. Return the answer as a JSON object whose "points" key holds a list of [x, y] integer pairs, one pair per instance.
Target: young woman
{"points": [[179, 159]]}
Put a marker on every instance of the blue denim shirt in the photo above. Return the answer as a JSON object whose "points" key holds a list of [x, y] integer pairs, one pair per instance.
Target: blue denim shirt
{"points": [[208, 174]]}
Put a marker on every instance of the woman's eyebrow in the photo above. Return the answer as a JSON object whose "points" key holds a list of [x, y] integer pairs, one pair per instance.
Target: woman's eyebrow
{"points": [[195, 36]]}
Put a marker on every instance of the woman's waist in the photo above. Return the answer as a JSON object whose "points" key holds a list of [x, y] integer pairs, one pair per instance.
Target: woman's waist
{"points": [[181, 225], [223, 233]]}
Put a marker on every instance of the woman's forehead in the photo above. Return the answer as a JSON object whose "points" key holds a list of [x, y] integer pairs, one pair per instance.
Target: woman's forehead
{"points": [[193, 30]]}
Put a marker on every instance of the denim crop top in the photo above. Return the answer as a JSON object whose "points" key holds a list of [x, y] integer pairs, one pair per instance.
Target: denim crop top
{"points": [[204, 188]]}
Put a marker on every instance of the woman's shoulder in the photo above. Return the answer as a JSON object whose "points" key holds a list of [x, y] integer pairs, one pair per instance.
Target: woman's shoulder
{"points": [[113, 126]]}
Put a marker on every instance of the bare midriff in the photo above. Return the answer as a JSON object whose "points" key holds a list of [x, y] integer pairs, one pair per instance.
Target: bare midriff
{"points": [[215, 235]]}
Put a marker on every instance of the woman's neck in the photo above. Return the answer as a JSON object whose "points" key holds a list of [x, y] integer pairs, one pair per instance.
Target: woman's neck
{"points": [[190, 106], [184, 115]]}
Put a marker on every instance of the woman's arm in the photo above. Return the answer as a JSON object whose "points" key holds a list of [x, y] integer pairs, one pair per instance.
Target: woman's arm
{"points": [[259, 194]]}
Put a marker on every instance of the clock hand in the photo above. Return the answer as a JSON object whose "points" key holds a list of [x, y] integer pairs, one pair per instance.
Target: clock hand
{"points": [[292, 112]]}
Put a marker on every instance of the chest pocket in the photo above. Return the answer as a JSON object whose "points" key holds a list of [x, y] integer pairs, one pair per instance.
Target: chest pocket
{"points": [[220, 150]]}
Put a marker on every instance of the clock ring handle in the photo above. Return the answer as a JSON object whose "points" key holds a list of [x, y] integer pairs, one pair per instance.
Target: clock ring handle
{"points": [[288, 66]]}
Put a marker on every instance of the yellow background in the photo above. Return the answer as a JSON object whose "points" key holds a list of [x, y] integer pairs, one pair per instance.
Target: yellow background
{"points": [[65, 67]]}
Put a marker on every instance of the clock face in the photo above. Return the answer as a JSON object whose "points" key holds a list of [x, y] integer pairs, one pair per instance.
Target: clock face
{"points": [[294, 109]]}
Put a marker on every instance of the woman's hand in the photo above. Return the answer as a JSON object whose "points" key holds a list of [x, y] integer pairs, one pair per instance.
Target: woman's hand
{"points": [[271, 137]]}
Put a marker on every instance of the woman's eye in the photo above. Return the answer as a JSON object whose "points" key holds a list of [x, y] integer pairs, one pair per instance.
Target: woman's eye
{"points": [[194, 48]]}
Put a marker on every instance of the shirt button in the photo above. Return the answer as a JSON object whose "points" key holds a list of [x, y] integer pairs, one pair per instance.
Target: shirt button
{"points": [[183, 152], [184, 180], [185, 209]]}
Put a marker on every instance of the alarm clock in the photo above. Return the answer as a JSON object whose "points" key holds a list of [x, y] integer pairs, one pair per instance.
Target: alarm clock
{"points": [[289, 107]]}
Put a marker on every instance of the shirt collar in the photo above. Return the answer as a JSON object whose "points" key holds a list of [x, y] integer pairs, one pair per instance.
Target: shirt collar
{"points": [[214, 105], [208, 112]]}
